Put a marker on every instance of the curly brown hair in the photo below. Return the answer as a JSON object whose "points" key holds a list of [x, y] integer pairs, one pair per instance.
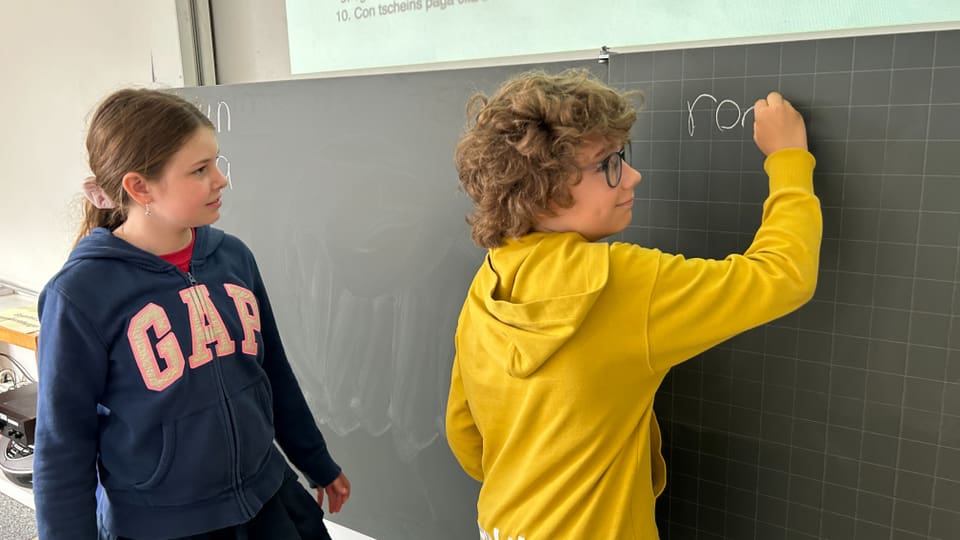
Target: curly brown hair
{"points": [[517, 156]]}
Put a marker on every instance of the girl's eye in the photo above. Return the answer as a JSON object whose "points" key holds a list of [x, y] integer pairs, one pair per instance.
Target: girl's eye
{"points": [[201, 170]]}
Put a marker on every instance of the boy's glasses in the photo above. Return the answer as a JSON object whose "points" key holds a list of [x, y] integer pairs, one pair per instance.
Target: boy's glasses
{"points": [[612, 165]]}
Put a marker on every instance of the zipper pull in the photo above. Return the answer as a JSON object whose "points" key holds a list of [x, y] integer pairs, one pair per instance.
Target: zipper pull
{"points": [[207, 332]]}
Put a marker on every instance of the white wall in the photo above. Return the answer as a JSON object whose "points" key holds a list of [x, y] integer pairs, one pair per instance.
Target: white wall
{"points": [[250, 40], [57, 60]]}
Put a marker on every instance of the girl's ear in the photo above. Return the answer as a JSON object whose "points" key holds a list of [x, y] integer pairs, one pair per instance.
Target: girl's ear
{"points": [[138, 188]]}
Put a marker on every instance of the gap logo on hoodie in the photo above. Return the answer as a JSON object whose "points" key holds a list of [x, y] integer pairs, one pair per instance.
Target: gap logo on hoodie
{"points": [[206, 327]]}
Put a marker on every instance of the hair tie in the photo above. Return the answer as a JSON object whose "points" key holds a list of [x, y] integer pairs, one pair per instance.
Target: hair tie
{"points": [[95, 194]]}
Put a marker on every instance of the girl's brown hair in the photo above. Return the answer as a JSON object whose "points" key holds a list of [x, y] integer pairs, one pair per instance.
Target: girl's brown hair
{"points": [[134, 130], [518, 152]]}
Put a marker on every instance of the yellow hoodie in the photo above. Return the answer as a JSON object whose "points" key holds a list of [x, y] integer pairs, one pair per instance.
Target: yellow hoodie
{"points": [[562, 344]]}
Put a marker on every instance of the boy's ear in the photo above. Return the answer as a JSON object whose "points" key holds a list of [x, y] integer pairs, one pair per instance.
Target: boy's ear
{"points": [[138, 188]]}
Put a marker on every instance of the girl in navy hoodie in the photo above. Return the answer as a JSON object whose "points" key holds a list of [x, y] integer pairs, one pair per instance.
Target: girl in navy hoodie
{"points": [[163, 381]]}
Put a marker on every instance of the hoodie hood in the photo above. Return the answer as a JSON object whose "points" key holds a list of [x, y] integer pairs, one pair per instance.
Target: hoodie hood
{"points": [[102, 244], [532, 294]]}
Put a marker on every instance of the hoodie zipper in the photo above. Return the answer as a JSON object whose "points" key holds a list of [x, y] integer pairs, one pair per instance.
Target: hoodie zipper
{"points": [[231, 417]]}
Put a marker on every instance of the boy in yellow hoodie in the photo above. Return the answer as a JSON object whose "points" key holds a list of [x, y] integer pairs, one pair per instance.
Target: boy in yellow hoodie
{"points": [[563, 340]]}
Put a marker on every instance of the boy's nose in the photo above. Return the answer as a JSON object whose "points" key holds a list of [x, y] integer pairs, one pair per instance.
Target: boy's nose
{"points": [[631, 176]]}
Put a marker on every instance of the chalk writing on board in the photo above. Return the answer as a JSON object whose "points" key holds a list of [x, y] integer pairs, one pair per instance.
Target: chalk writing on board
{"points": [[223, 163], [720, 105], [365, 11], [219, 116], [222, 122]]}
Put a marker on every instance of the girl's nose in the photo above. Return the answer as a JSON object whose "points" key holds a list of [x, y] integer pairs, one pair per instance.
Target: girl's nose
{"points": [[223, 181]]}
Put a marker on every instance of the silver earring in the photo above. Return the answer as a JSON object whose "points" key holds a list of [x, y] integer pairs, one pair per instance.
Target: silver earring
{"points": [[146, 209]]}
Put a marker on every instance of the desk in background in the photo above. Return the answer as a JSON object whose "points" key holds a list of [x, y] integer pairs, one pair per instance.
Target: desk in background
{"points": [[18, 325], [16, 502]]}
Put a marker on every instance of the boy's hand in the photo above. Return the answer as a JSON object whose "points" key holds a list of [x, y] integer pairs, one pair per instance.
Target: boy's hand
{"points": [[777, 125]]}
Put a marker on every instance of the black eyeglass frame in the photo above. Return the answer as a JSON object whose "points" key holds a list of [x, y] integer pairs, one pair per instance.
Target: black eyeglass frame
{"points": [[622, 156]]}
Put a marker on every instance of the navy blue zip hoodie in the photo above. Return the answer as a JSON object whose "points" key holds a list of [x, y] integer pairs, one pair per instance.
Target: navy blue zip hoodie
{"points": [[169, 387]]}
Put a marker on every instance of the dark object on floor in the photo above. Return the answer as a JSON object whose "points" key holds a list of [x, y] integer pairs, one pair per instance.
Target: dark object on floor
{"points": [[18, 413], [18, 417], [16, 462]]}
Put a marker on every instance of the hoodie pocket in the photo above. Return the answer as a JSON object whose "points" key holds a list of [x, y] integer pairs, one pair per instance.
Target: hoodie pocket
{"points": [[135, 456], [193, 461], [253, 417], [168, 437]]}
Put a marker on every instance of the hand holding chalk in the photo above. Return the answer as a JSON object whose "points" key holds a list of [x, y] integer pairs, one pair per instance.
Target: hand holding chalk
{"points": [[777, 125]]}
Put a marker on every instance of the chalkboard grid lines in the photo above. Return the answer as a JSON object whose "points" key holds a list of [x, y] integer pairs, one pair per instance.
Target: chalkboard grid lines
{"points": [[841, 420]]}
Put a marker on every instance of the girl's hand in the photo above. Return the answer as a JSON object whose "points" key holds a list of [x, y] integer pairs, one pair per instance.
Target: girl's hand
{"points": [[337, 492]]}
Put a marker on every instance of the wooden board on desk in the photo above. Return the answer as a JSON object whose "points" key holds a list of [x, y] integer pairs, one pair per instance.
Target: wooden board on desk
{"points": [[18, 321], [27, 341]]}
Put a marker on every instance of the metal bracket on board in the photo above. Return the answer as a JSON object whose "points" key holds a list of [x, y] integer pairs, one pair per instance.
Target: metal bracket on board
{"points": [[604, 56]]}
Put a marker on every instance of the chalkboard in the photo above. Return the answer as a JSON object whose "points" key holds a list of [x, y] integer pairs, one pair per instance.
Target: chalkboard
{"points": [[346, 192], [841, 420], [838, 420]]}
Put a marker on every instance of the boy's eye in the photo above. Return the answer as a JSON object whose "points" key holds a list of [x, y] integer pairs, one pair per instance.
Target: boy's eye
{"points": [[603, 165]]}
